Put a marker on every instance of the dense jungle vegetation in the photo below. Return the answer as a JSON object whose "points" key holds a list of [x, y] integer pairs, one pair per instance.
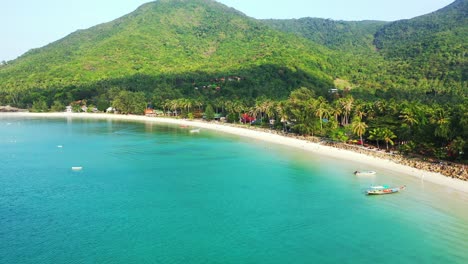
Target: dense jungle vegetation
{"points": [[401, 83]]}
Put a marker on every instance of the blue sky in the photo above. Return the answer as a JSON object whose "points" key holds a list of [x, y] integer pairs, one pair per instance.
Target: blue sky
{"points": [[28, 24]]}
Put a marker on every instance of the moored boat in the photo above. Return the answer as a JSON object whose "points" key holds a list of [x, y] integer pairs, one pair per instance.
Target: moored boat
{"points": [[362, 173], [384, 189]]}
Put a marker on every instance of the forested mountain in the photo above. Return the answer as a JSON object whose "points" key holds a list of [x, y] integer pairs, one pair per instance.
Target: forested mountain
{"points": [[176, 44], [177, 47], [350, 36], [433, 45], [424, 54]]}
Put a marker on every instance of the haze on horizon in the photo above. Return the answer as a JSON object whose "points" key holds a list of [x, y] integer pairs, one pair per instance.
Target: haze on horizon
{"points": [[29, 24]]}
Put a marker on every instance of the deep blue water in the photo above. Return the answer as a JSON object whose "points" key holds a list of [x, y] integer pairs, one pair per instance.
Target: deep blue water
{"points": [[153, 193]]}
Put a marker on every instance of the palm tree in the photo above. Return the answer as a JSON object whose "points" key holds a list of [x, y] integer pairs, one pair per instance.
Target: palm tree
{"points": [[360, 110], [392, 107], [281, 109], [387, 136], [269, 108], [408, 116], [198, 103], [442, 121], [174, 105], [346, 105], [219, 103], [238, 107], [369, 110], [322, 110], [379, 106], [189, 104], [182, 103], [229, 107], [257, 110], [376, 134], [254, 111], [336, 110], [166, 105], [359, 128]]}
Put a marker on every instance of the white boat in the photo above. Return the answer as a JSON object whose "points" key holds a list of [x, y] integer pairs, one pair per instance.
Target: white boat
{"points": [[195, 130], [77, 168], [384, 189], [364, 173]]}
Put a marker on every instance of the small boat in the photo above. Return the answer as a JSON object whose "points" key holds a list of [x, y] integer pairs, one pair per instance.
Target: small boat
{"points": [[77, 168], [384, 189], [363, 173], [195, 130]]}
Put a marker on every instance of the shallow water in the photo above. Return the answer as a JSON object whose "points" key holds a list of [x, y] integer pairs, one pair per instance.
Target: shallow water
{"points": [[152, 193]]}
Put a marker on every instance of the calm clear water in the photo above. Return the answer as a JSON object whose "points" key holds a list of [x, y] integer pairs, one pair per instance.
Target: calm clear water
{"points": [[157, 194]]}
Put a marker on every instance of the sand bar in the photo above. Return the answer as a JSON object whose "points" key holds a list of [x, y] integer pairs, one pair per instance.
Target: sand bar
{"points": [[277, 139]]}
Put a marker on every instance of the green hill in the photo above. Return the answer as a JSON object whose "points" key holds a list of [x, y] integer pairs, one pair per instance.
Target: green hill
{"points": [[201, 48], [420, 55], [350, 36], [177, 44], [434, 45]]}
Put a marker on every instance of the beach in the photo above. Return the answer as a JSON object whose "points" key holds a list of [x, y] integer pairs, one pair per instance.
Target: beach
{"points": [[270, 136]]}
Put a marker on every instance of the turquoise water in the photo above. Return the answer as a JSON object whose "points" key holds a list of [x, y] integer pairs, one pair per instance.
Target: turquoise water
{"points": [[152, 193]]}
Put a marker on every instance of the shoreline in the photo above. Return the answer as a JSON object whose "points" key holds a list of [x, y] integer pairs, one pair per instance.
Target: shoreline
{"points": [[264, 135]]}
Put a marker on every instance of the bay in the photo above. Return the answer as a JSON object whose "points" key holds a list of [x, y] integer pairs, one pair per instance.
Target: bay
{"points": [[150, 193]]}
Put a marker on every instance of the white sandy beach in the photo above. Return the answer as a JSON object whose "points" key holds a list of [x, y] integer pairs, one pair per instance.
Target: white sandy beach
{"points": [[277, 139]]}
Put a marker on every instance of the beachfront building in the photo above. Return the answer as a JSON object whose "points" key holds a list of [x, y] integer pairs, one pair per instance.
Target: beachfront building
{"points": [[149, 112], [153, 113]]}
